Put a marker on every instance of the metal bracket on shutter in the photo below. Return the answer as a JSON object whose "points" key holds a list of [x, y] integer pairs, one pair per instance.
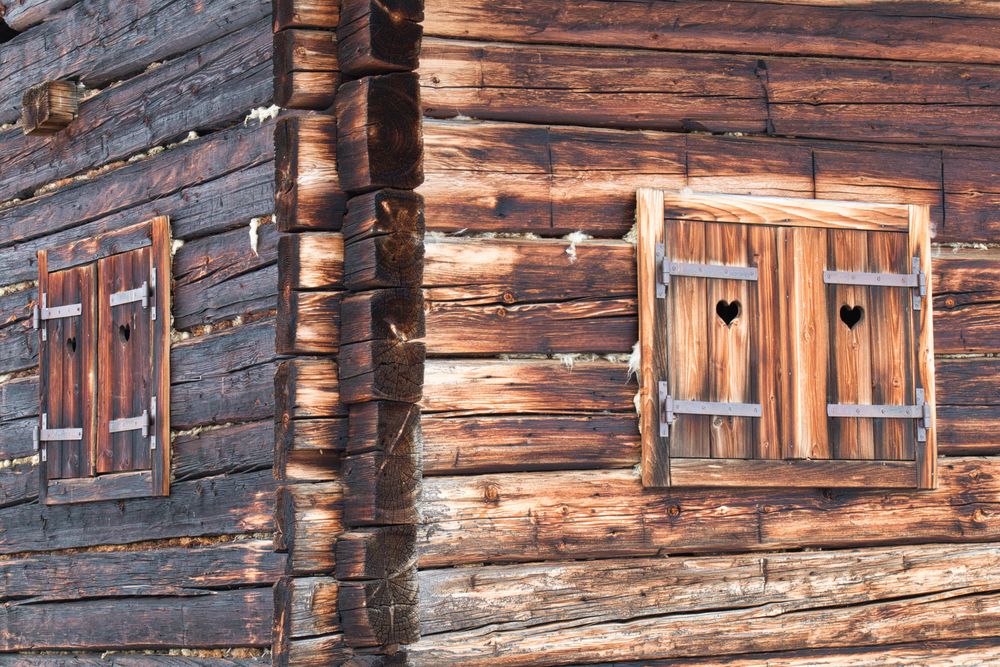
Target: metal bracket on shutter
{"points": [[46, 434], [921, 410], [916, 280], [670, 408], [140, 293], [718, 271], [45, 313], [152, 411], [131, 424]]}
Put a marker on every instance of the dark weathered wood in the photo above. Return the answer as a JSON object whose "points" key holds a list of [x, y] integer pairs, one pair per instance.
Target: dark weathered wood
{"points": [[18, 484], [229, 449], [22, 14], [312, 261], [938, 34], [212, 619], [314, 652], [377, 37], [380, 613], [306, 14], [306, 74], [309, 323], [49, 107], [307, 521], [382, 370], [390, 314], [397, 659], [307, 387], [391, 260], [384, 212], [303, 607], [238, 396], [379, 142], [307, 186], [156, 107], [383, 486], [138, 659], [376, 553], [121, 43], [309, 449]]}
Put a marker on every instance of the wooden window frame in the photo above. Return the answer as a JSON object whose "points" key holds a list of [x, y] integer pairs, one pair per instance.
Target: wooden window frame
{"points": [[151, 482], [658, 468]]}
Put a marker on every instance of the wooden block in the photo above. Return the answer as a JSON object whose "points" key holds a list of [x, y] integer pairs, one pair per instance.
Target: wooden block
{"points": [[388, 314], [380, 141], [308, 323], [309, 449], [303, 607], [312, 261], [305, 14], [49, 107], [307, 387], [383, 212], [376, 553], [382, 370], [392, 260], [307, 521], [380, 425], [380, 36], [308, 195], [306, 74], [380, 613]]}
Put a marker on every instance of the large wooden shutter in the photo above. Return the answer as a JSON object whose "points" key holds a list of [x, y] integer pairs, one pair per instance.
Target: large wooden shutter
{"points": [[125, 340], [67, 359], [784, 342]]}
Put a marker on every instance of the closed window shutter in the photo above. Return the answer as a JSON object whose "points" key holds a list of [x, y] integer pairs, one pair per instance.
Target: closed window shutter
{"points": [[67, 359], [125, 340]]}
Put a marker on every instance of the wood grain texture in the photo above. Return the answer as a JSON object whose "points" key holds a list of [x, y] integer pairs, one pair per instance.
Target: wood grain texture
{"points": [[306, 71], [307, 187], [323, 14], [380, 36], [49, 107], [307, 521], [926, 453]]}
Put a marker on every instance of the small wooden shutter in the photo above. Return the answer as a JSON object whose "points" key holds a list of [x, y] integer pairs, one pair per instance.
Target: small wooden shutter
{"points": [[67, 359], [784, 342], [125, 338]]}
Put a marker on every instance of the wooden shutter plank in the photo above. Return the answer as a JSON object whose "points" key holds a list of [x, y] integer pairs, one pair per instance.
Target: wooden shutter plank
{"points": [[773, 428], [729, 345], [891, 345], [806, 252], [126, 358], [925, 453], [851, 358], [687, 322]]}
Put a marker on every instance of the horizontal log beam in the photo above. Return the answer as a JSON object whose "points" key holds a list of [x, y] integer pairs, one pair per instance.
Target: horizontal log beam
{"points": [[306, 72], [304, 607], [308, 323], [309, 449]]}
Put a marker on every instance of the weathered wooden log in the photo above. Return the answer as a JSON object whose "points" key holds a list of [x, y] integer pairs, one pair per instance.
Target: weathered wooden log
{"points": [[376, 553], [311, 261], [306, 14], [303, 607], [397, 659], [138, 659], [382, 370], [22, 14], [380, 613], [384, 426], [307, 188], [391, 260], [384, 212], [219, 618], [560, 515], [308, 323], [314, 652], [309, 449], [307, 521], [832, 30], [306, 74], [377, 37], [122, 43], [383, 487], [236, 396], [228, 449], [307, 387], [49, 107], [389, 314], [379, 142]]}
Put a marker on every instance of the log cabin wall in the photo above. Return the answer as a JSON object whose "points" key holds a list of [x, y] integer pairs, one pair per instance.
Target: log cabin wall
{"points": [[538, 544], [174, 120]]}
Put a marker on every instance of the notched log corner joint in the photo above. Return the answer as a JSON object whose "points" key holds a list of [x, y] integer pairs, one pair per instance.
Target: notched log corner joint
{"points": [[49, 107]]}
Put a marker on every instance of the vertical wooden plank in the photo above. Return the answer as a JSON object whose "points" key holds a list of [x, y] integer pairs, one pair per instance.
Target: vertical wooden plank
{"points": [[652, 338], [762, 251], [729, 341], [141, 357], [56, 405], [920, 247], [44, 369], [850, 359], [160, 265], [891, 345], [809, 342], [687, 320]]}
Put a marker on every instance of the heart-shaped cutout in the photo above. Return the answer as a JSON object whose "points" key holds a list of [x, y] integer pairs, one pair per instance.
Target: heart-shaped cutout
{"points": [[71, 344], [851, 316], [728, 311], [125, 331]]}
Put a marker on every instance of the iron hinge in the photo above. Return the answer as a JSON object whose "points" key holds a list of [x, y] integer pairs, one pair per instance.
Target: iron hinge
{"points": [[45, 313], [915, 280], [46, 434], [668, 268], [671, 407], [921, 411]]}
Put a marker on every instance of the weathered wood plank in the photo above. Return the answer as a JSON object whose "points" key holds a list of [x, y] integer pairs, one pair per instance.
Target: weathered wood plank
{"points": [[304, 607], [156, 107], [537, 516], [307, 521], [141, 659], [939, 34], [122, 41], [306, 72], [306, 14], [22, 14], [378, 36], [309, 449], [311, 261], [308, 195], [307, 387]]}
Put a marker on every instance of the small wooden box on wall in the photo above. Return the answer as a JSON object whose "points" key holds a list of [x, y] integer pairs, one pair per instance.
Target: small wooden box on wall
{"points": [[785, 342]]}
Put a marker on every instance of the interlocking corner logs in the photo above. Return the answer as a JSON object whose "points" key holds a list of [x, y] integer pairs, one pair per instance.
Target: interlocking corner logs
{"points": [[49, 107], [103, 321], [351, 321], [785, 343]]}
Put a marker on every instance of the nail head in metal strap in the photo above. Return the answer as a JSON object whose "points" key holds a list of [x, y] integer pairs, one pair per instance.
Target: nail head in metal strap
{"points": [[875, 411]]}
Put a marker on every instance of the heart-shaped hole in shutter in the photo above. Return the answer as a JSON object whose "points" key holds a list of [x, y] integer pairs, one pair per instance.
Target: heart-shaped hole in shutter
{"points": [[71, 344], [851, 315], [728, 311], [125, 331]]}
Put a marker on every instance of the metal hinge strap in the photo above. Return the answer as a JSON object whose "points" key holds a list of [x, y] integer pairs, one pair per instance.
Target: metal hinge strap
{"points": [[152, 410], [693, 270], [140, 293], [916, 279], [921, 410], [55, 434], [671, 407], [131, 424]]}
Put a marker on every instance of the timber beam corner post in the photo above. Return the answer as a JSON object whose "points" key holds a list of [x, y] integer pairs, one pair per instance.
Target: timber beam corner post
{"points": [[49, 107], [381, 363]]}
